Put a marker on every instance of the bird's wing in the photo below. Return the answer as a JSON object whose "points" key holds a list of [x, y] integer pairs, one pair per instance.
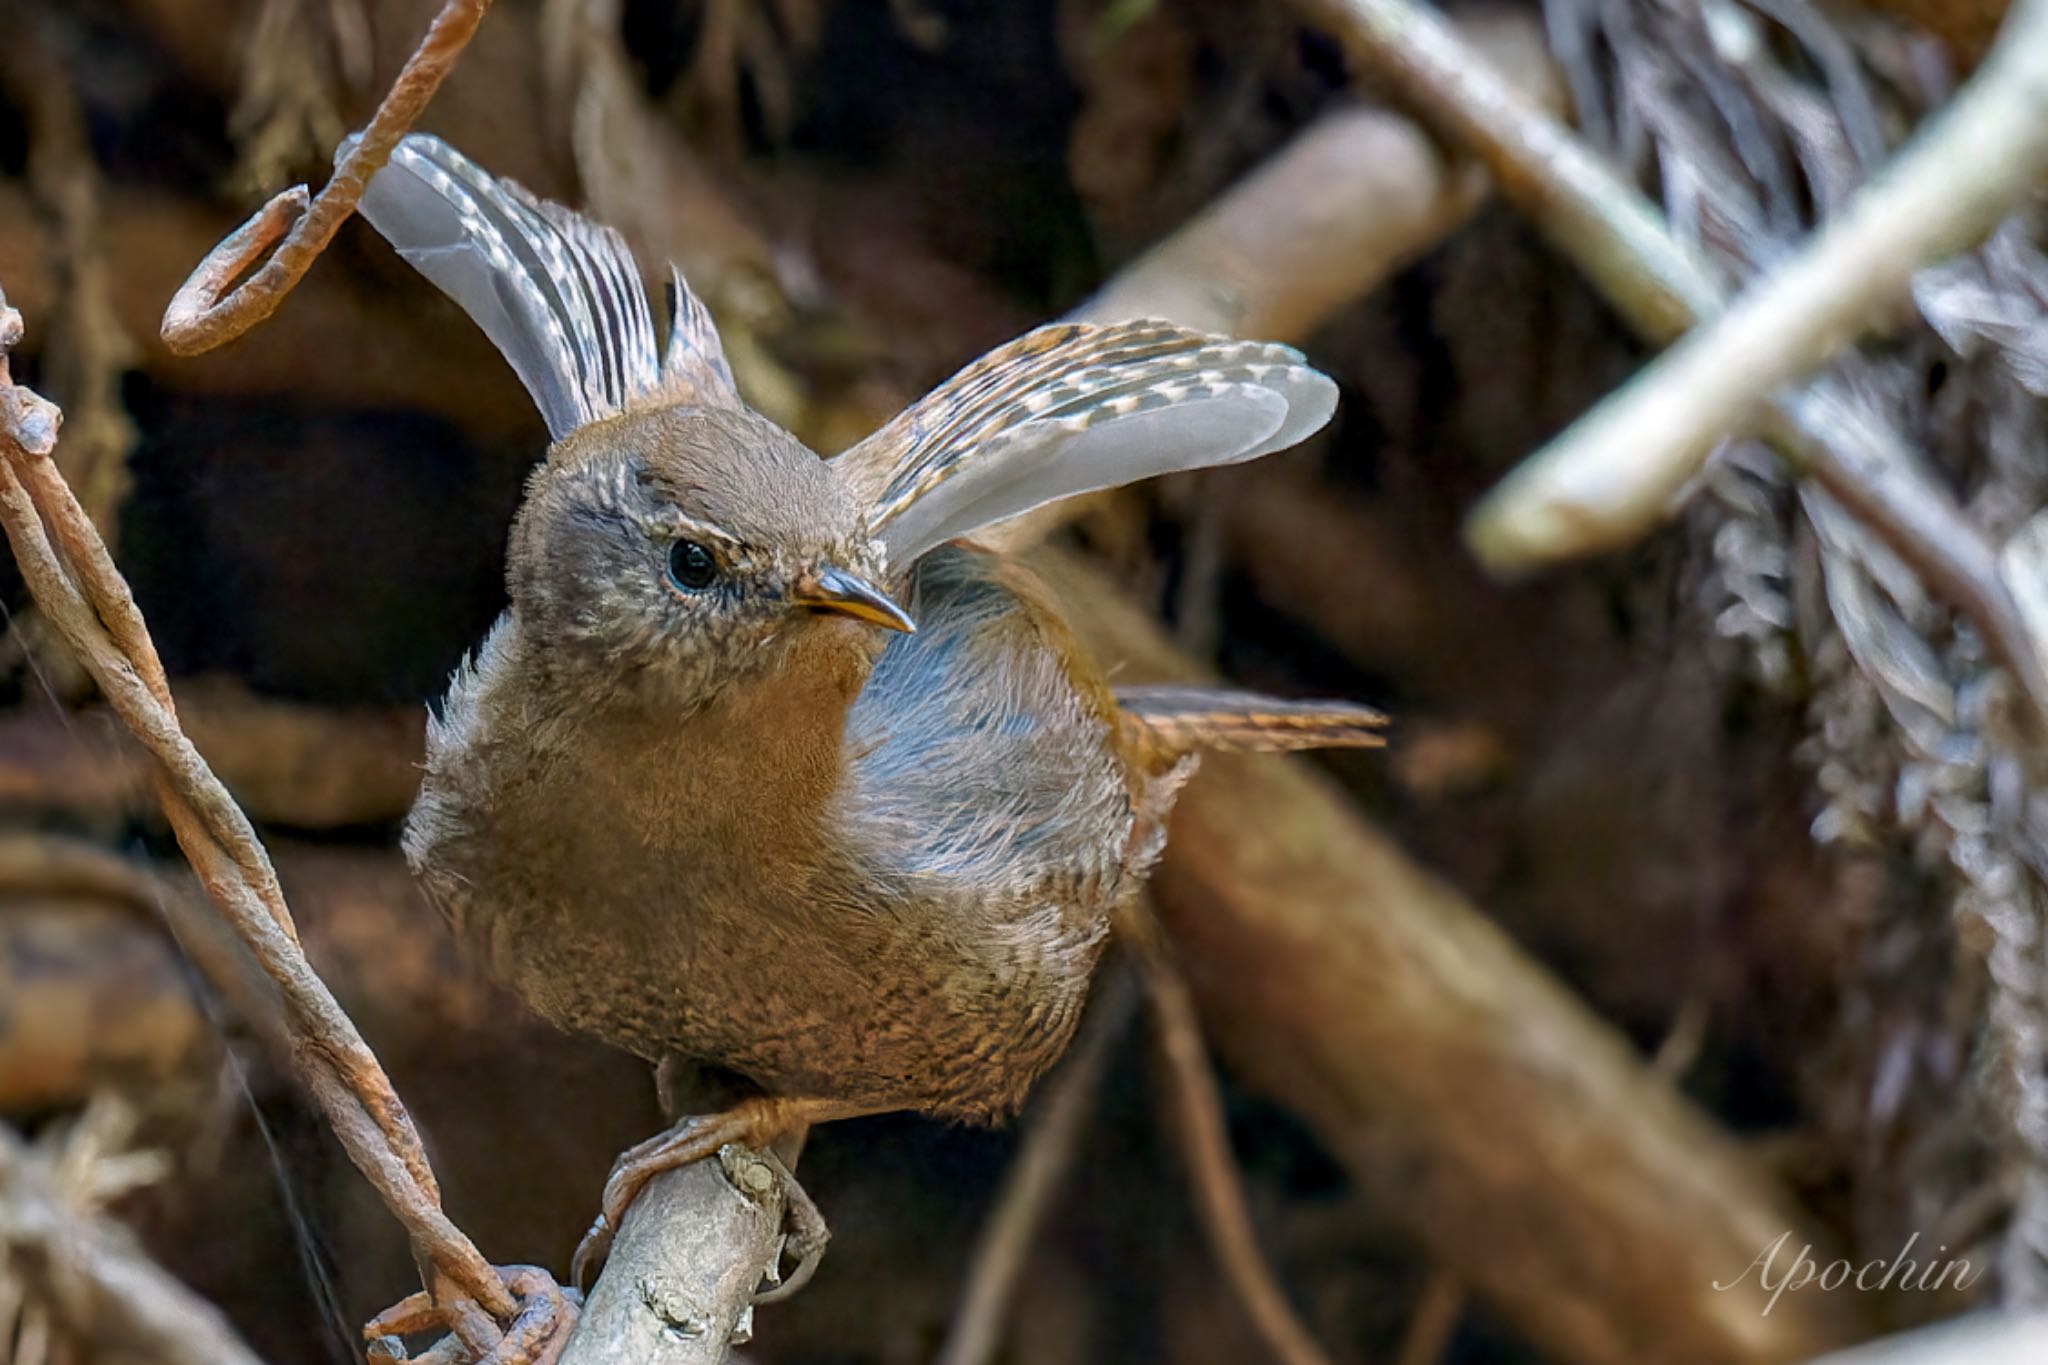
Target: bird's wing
{"points": [[558, 294], [982, 753], [1071, 408]]}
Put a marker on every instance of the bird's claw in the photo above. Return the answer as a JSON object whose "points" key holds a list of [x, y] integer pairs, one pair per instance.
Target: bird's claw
{"points": [[590, 1254], [535, 1336], [805, 1234], [691, 1140]]}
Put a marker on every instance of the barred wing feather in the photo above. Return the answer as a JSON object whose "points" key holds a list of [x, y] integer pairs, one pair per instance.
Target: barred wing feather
{"points": [[1075, 407]]}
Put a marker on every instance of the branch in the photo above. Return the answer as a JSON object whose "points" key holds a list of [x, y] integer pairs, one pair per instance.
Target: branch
{"points": [[85, 598], [96, 995], [1354, 197], [691, 1253], [287, 763], [1212, 1169], [1612, 476], [1590, 214], [1517, 1136], [1981, 1339], [203, 314]]}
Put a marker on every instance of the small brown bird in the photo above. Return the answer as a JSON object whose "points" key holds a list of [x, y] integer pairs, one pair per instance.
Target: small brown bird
{"points": [[705, 791]]}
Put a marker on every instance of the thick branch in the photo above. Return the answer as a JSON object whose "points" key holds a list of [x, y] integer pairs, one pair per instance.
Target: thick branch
{"points": [[1614, 473], [1983, 1339], [694, 1248], [287, 763], [1537, 1156], [1622, 243]]}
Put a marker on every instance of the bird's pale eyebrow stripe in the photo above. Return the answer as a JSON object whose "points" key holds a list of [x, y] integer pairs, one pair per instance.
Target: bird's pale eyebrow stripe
{"points": [[676, 525]]}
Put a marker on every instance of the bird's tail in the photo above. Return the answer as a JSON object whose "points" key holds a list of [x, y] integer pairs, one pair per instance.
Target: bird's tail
{"points": [[1168, 722]]}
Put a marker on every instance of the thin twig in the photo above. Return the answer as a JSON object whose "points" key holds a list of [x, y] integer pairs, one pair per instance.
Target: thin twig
{"points": [[1056, 1121], [84, 596], [1219, 1192], [1435, 1318], [203, 313], [1617, 237]]}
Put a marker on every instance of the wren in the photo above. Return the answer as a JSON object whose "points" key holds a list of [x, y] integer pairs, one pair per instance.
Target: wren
{"points": [[767, 766]]}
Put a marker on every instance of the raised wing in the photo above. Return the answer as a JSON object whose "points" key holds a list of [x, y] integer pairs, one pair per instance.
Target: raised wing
{"points": [[559, 295], [1071, 408]]}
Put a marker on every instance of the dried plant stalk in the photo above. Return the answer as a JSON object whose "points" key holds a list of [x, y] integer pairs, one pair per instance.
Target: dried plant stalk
{"points": [[204, 313], [84, 596]]}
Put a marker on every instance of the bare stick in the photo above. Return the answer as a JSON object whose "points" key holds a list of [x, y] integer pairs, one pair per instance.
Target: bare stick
{"points": [[203, 314], [698, 1242], [1056, 1121], [1981, 1339], [85, 598], [1619, 240], [1612, 476]]}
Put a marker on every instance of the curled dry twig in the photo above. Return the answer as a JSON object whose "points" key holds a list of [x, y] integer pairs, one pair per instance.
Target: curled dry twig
{"points": [[205, 313], [76, 586]]}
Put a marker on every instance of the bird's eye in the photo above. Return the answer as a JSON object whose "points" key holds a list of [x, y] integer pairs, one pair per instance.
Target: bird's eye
{"points": [[690, 566]]}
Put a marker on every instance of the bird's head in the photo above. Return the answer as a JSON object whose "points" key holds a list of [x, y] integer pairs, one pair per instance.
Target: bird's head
{"points": [[688, 547], [675, 536]]}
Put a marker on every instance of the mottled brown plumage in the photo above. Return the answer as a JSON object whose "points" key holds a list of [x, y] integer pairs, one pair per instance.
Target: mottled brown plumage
{"points": [[696, 797]]}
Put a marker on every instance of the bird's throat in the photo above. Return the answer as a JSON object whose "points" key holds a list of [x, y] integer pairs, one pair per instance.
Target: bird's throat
{"points": [[752, 771]]}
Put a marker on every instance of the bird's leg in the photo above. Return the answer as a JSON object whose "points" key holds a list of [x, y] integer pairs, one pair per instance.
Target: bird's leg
{"points": [[753, 1122]]}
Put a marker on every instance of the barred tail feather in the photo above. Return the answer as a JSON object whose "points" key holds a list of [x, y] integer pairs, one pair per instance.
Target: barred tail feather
{"points": [[1169, 721], [557, 293]]}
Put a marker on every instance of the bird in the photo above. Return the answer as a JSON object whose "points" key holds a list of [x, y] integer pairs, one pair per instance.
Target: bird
{"points": [[769, 766]]}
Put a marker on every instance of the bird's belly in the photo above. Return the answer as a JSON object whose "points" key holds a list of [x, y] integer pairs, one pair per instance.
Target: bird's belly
{"points": [[925, 1028], [887, 1007]]}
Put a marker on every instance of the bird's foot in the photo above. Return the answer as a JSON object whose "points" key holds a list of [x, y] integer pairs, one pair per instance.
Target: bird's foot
{"points": [[753, 1122], [536, 1336], [804, 1234]]}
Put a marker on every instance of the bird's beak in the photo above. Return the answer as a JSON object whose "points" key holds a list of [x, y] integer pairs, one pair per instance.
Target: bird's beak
{"points": [[829, 589]]}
